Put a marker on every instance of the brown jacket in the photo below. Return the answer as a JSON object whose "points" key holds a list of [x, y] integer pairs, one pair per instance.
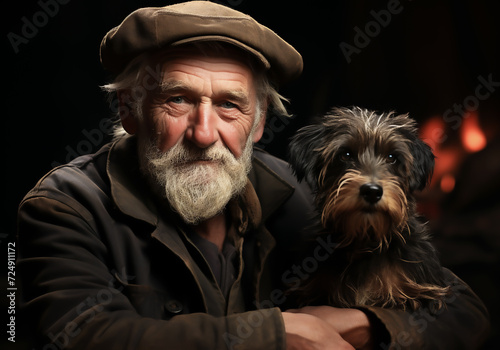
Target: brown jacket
{"points": [[104, 266]]}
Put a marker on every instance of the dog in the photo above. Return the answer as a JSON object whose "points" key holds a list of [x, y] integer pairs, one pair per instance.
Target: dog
{"points": [[364, 168]]}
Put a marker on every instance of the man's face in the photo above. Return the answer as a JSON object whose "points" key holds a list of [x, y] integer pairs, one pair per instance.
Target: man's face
{"points": [[197, 131], [204, 101]]}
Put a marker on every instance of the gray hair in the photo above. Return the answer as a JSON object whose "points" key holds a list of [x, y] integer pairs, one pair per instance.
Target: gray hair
{"points": [[136, 80]]}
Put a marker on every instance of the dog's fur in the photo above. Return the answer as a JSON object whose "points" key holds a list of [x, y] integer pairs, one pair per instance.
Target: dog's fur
{"points": [[364, 168]]}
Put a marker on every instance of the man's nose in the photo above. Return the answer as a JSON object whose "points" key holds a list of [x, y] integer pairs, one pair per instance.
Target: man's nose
{"points": [[202, 129]]}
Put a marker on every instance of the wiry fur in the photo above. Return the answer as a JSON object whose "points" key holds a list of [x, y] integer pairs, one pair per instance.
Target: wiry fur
{"points": [[384, 257]]}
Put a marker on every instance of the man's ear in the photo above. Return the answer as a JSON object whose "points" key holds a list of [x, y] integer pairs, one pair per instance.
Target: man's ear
{"points": [[127, 117]]}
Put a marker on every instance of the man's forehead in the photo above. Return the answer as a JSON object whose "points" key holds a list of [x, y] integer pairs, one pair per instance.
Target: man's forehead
{"points": [[181, 72], [172, 82]]}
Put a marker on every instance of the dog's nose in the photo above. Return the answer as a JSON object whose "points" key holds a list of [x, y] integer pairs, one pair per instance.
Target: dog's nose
{"points": [[371, 192]]}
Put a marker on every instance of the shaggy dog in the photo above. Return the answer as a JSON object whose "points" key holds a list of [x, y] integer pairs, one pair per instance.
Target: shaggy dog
{"points": [[364, 168]]}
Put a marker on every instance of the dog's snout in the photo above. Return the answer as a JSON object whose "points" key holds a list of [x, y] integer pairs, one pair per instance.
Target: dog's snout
{"points": [[371, 192]]}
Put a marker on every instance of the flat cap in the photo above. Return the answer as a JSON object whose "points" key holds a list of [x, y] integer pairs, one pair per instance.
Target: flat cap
{"points": [[154, 28]]}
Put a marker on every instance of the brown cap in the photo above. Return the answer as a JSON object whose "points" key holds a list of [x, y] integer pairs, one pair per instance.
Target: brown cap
{"points": [[153, 28]]}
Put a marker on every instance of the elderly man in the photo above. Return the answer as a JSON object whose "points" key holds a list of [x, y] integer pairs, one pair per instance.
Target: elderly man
{"points": [[177, 234]]}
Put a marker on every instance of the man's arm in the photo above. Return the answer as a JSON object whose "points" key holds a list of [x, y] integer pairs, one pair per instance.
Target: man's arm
{"points": [[462, 324], [76, 302]]}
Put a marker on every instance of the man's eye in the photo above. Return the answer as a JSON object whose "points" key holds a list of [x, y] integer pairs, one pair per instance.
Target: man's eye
{"points": [[228, 105], [176, 99]]}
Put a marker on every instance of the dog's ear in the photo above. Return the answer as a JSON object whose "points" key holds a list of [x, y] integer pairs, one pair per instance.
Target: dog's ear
{"points": [[303, 153], [423, 164]]}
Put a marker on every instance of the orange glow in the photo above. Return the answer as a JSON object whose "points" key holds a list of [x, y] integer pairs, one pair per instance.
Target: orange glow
{"points": [[433, 132], [473, 139], [447, 183], [447, 161]]}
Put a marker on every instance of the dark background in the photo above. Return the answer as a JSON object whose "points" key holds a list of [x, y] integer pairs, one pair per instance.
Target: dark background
{"points": [[425, 57]]}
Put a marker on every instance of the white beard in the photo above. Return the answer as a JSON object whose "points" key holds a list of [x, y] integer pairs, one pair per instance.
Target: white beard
{"points": [[198, 183]]}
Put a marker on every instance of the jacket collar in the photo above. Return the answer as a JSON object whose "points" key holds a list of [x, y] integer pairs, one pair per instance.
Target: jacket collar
{"points": [[129, 189], [131, 194], [271, 189]]}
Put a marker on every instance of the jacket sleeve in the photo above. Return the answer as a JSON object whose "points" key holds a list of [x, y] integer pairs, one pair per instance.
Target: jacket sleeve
{"points": [[74, 301], [462, 324]]}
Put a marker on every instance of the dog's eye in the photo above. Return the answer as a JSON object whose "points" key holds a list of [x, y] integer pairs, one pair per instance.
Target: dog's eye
{"points": [[391, 158], [346, 156]]}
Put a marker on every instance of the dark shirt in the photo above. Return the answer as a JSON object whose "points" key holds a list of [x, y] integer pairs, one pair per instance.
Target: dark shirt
{"points": [[222, 263]]}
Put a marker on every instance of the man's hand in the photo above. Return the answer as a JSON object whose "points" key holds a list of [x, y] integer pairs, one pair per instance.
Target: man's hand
{"points": [[308, 332], [351, 324]]}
